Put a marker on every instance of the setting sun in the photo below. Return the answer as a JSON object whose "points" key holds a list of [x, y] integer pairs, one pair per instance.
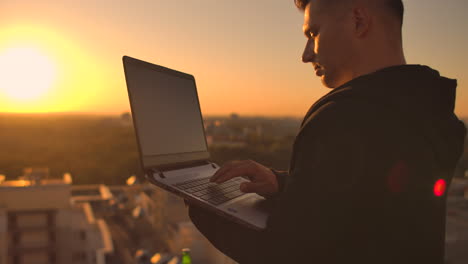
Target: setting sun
{"points": [[28, 73], [43, 70]]}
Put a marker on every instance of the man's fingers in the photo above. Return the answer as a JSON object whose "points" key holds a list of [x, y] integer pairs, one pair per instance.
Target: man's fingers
{"points": [[240, 170], [226, 167], [236, 172]]}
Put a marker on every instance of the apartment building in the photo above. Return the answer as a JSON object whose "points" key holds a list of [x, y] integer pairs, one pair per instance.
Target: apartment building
{"points": [[39, 223]]}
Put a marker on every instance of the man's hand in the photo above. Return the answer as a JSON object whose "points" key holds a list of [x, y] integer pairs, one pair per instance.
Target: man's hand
{"points": [[262, 179]]}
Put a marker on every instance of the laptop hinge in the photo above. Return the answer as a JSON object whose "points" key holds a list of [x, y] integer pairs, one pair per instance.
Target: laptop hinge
{"points": [[177, 166], [158, 172]]}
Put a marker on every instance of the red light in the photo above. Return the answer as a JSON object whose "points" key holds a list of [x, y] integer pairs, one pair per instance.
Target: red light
{"points": [[439, 187]]}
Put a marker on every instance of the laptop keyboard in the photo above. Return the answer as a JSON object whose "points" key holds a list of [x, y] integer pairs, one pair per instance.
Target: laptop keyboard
{"points": [[212, 192]]}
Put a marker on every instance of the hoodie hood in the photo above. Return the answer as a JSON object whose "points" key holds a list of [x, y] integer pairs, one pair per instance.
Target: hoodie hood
{"points": [[413, 88], [423, 99]]}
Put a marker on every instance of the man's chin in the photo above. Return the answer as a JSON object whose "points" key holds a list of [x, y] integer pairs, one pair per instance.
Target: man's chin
{"points": [[327, 83]]}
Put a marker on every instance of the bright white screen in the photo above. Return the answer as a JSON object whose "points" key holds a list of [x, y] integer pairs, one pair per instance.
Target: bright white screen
{"points": [[166, 111]]}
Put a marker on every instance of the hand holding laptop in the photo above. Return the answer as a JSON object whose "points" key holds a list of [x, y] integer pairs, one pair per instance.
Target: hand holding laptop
{"points": [[262, 179]]}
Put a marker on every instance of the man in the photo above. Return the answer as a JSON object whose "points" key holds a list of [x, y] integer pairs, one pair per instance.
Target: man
{"points": [[371, 160]]}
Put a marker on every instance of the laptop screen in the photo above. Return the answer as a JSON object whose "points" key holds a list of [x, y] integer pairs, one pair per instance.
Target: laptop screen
{"points": [[166, 114]]}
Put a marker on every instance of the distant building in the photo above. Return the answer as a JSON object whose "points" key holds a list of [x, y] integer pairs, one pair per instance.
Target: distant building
{"points": [[126, 119], [234, 116], [97, 195], [39, 223]]}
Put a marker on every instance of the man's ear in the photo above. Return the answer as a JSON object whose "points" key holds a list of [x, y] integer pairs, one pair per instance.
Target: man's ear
{"points": [[362, 21]]}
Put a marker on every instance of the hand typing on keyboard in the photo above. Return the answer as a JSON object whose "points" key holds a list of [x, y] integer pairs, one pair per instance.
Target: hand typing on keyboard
{"points": [[212, 192], [262, 179]]}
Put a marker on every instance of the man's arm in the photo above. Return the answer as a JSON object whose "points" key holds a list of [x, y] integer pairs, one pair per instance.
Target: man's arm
{"points": [[317, 215], [280, 179]]}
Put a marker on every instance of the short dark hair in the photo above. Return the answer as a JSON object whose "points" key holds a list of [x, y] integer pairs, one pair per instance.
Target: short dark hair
{"points": [[395, 6]]}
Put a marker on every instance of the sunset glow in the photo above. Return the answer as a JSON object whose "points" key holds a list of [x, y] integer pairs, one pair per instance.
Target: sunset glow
{"points": [[27, 73], [250, 66], [43, 70]]}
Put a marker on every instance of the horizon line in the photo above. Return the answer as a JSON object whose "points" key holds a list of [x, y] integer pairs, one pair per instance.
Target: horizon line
{"points": [[118, 114]]}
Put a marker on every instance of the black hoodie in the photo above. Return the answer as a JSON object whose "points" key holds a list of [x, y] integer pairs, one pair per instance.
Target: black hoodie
{"points": [[367, 174]]}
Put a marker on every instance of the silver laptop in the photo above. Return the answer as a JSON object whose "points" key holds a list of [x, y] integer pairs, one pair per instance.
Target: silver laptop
{"points": [[172, 144]]}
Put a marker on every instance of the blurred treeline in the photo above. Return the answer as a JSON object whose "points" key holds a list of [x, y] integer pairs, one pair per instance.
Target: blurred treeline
{"points": [[102, 149], [93, 149]]}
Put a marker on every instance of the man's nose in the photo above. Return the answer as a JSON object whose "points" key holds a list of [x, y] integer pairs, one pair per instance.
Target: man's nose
{"points": [[308, 55]]}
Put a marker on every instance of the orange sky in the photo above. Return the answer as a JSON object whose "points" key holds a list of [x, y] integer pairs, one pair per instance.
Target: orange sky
{"points": [[245, 55]]}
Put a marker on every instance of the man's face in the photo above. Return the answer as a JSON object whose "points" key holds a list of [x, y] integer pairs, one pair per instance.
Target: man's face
{"points": [[329, 44]]}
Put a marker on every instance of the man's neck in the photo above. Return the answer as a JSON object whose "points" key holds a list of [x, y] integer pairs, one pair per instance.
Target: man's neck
{"points": [[378, 62]]}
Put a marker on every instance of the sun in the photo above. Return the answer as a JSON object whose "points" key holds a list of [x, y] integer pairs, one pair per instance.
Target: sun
{"points": [[26, 73]]}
